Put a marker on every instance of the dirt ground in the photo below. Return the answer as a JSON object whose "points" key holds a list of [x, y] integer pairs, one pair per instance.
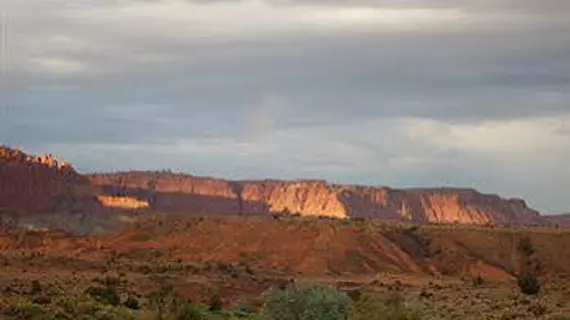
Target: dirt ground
{"points": [[451, 272]]}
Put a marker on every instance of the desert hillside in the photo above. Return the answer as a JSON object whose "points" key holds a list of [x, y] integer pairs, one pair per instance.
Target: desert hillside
{"points": [[312, 247], [448, 271]]}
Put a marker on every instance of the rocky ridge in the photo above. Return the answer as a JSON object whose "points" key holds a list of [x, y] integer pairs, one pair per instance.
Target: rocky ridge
{"points": [[558, 219], [45, 184], [41, 184], [169, 192]]}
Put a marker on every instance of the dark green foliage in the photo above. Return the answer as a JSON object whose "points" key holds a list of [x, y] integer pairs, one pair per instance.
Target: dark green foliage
{"points": [[526, 247], [305, 302], [132, 303], [528, 283], [107, 294], [528, 280], [216, 303]]}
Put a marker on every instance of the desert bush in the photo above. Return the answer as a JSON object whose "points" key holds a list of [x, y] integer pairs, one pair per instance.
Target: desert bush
{"points": [[74, 307], [372, 306], [216, 303], [528, 283], [305, 302], [105, 294], [527, 279], [29, 311], [132, 303], [244, 308], [113, 313], [189, 311], [171, 306]]}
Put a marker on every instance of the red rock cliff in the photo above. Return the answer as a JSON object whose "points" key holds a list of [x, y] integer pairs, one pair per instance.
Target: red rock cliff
{"points": [[41, 184], [184, 193], [44, 184]]}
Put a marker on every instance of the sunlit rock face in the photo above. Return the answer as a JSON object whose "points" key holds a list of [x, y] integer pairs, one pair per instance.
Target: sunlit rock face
{"points": [[185, 193], [45, 184]]}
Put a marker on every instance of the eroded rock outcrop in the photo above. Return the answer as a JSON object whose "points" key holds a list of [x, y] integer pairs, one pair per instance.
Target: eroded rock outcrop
{"points": [[184, 193], [45, 184], [41, 184]]}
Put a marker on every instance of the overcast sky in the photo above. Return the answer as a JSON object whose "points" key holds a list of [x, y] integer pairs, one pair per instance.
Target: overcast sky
{"points": [[400, 93]]}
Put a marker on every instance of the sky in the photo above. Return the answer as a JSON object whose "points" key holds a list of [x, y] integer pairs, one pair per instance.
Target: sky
{"points": [[407, 93]]}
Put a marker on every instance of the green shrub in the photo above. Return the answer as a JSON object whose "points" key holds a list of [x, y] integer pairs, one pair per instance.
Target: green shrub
{"points": [[132, 303], [305, 302], [374, 307], [243, 308], [104, 294], [73, 307], [113, 313], [527, 280], [170, 305], [216, 303], [29, 311], [189, 311], [528, 283]]}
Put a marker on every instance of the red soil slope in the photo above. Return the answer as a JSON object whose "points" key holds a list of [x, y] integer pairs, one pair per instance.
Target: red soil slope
{"points": [[315, 247]]}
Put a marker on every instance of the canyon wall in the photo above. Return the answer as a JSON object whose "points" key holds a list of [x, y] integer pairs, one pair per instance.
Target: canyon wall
{"points": [[44, 184], [41, 184], [169, 192]]}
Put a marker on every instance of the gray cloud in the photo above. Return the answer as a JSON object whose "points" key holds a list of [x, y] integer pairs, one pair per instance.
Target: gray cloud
{"points": [[383, 92]]}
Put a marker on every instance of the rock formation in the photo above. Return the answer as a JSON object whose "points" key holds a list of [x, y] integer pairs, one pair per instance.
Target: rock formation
{"points": [[558, 219], [41, 184], [168, 192], [44, 184]]}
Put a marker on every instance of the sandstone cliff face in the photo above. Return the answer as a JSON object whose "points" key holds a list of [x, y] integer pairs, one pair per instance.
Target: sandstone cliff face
{"points": [[41, 184], [189, 194], [44, 184]]}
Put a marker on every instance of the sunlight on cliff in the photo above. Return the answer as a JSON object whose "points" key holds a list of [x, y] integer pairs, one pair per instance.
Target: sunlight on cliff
{"points": [[122, 202]]}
